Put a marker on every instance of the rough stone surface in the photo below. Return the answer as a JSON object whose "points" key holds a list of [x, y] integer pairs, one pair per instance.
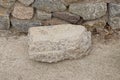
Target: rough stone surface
{"points": [[89, 11], [68, 2], [7, 3], [114, 15], [54, 21], [24, 25], [72, 18], [22, 12], [26, 2], [49, 5], [41, 15], [95, 24], [60, 42], [4, 19]]}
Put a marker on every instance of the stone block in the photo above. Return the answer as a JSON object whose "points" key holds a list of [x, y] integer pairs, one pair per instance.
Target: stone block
{"points": [[114, 15], [22, 12], [24, 25], [72, 18], [26, 2], [89, 11], [4, 19], [49, 5], [59, 42]]}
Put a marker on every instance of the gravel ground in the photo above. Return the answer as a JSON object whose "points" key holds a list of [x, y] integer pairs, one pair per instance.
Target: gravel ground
{"points": [[103, 63]]}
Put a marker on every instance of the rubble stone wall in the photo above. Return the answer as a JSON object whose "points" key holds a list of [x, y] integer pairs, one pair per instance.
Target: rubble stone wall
{"points": [[22, 14]]}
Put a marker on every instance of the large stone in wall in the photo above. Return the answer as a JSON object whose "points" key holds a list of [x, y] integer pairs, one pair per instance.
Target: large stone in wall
{"points": [[89, 11], [59, 42], [26, 2], [24, 25], [4, 19], [72, 18], [7, 3], [114, 15], [49, 5], [22, 12]]}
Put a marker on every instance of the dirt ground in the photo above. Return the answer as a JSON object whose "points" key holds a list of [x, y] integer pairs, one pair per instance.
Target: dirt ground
{"points": [[103, 63]]}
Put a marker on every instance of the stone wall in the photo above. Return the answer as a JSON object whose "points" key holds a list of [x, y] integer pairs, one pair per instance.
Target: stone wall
{"points": [[22, 14]]}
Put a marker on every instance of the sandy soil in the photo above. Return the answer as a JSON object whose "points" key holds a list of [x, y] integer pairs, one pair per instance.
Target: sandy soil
{"points": [[103, 63]]}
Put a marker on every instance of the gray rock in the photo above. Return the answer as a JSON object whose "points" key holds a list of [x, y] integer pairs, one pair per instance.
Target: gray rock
{"points": [[72, 18], [114, 22], [49, 5], [7, 3], [41, 15], [26, 2], [68, 2], [24, 25], [89, 11], [4, 19], [114, 9], [114, 17], [53, 21], [57, 43]]}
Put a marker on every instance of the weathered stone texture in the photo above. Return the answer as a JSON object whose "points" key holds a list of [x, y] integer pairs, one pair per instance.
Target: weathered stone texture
{"points": [[114, 15], [4, 19], [72, 18], [97, 24], [41, 15], [26, 2], [7, 3], [54, 12], [54, 21], [49, 5], [89, 11], [24, 25], [68, 2], [22, 12], [57, 43]]}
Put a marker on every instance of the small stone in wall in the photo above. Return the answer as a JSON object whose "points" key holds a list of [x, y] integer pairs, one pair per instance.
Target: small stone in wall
{"points": [[53, 21], [26, 2], [4, 19], [89, 11], [22, 12], [59, 42], [7, 3], [49, 5], [97, 24], [24, 25], [72, 18], [41, 15], [114, 17]]}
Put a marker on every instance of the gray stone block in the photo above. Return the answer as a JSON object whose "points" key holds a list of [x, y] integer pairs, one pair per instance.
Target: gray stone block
{"points": [[49, 5], [89, 11]]}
